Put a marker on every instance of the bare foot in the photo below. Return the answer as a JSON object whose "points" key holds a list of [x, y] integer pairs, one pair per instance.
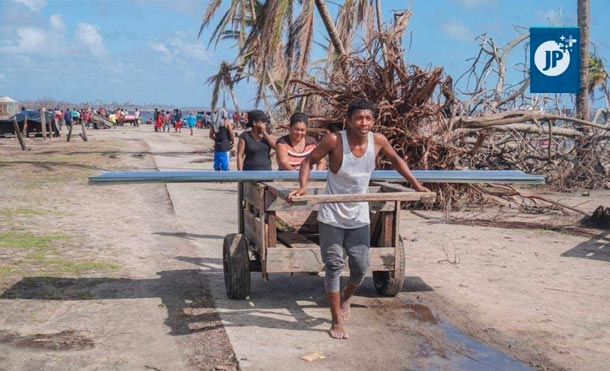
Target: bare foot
{"points": [[337, 331], [345, 310]]}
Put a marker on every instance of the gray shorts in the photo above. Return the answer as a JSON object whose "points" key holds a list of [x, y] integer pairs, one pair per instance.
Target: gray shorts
{"points": [[335, 244]]}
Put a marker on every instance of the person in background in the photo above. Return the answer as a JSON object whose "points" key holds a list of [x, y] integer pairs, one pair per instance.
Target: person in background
{"points": [[168, 122], [58, 115], [76, 116], [177, 116], [244, 119], [254, 146], [221, 132], [236, 118], [191, 121], [292, 149], [159, 121], [86, 117], [199, 118], [137, 117], [68, 117], [112, 118]]}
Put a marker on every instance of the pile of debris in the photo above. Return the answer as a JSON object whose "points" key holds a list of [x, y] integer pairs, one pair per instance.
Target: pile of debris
{"points": [[419, 113]]}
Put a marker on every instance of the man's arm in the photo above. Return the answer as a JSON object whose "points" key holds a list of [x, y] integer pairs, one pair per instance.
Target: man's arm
{"points": [[398, 163], [322, 150], [212, 134], [241, 147], [231, 132]]}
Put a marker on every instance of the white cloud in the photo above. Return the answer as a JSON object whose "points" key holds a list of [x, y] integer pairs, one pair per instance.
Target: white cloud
{"points": [[57, 24], [457, 30], [162, 49], [31, 38], [34, 5], [89, 36], [475, 4], [182, 46]]}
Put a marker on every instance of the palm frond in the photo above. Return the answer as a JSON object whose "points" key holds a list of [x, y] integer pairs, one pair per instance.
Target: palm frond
{"points": [[209, 13]]}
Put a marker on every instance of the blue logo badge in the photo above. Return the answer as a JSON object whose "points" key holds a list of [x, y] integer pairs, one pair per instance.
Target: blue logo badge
{"points": [[554, 60]]}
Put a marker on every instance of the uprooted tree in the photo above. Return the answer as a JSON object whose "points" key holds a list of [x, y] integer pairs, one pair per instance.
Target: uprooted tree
{"points": [[495, 128], [490, 124]]}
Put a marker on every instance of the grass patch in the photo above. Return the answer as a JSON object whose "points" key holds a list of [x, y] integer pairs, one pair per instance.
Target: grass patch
{"points": [[17, 239], [20, 212], [75, 267], [7, 270]]}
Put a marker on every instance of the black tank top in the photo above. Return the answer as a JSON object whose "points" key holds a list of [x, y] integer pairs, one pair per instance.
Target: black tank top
{"points": [[221, 142], [256, 153]]}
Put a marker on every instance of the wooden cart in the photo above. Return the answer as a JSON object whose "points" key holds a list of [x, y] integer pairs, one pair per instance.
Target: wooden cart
{"points": [[275, 236]]}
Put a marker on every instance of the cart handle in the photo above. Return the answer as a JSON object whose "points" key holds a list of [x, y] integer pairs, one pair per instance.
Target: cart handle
{"points": [[409, 195]]}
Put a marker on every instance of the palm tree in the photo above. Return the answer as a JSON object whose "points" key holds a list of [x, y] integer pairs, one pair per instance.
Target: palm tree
{"points": [[582, 98], [597, 74], [223, 80], [275, 37]]}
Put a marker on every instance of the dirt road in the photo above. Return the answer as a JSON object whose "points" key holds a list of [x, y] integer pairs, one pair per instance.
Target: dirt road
{"points": [[140, 283]]}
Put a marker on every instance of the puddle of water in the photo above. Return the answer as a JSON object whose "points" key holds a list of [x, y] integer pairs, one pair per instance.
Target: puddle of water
{"points": [[421, 313], [479, 357], [472, 356]]}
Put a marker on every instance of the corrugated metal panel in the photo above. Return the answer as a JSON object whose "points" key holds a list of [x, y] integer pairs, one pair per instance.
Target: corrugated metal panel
{"points": [[206, 176]]}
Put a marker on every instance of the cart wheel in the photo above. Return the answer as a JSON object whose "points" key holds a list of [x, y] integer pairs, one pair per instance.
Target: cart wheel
{"points": [[387, 283], [236, 264]]}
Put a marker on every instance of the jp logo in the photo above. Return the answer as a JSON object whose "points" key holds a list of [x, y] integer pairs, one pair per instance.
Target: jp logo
{"points": [[553, 58]]}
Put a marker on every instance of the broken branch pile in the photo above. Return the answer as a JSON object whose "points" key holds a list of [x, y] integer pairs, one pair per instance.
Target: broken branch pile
{"points": [[420, 114]]}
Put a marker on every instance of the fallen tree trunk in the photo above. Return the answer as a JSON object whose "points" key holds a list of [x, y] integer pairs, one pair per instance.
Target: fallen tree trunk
{"points": [[528, 129], [516, 117]]}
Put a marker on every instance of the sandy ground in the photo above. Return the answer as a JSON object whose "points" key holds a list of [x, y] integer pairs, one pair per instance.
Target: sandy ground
{"points": [[134, 280]]}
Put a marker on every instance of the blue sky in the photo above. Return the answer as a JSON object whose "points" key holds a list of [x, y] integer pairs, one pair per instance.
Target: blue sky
{"points": [[147, 51]]}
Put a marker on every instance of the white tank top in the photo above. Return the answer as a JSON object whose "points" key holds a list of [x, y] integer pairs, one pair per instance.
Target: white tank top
{"points": [[353, 177]]}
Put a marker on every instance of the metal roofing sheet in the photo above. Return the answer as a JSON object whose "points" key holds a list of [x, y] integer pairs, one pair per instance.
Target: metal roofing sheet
{"points": [[203, 176]]}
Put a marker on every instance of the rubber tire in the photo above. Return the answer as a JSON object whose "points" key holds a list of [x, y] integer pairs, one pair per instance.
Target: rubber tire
{"points": [[386, 283], [236, 266]]}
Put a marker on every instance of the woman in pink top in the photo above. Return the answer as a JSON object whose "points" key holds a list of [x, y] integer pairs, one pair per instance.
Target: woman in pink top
{"points": [[292, 149]]}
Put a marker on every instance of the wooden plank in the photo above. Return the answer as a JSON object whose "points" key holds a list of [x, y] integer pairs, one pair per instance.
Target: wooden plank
{"points": [[280, 205], [294, 260], [262, 235], [252, 229], [251, 194], [386, 196], [295, 240], [381, 259], [240, 207], [278, 190], [310, 260], [278, 196], [375, 228], [301, 221], [395, 234], [386, 229], [271, 230]]}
